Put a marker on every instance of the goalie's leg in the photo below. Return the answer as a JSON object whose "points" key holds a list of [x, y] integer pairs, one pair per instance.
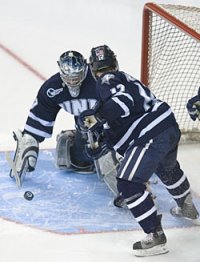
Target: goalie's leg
{"points": [[107, 170], [70, 152], [106, 162]]}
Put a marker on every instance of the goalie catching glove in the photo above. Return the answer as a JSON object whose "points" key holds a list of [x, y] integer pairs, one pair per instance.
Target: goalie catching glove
{"points": [[26, 153]]}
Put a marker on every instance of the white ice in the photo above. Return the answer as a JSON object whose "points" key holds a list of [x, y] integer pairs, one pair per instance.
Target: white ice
{"points": [[38, 31]]}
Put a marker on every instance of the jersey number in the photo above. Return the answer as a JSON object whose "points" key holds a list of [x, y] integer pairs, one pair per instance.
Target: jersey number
{"points": [[118, 88]]}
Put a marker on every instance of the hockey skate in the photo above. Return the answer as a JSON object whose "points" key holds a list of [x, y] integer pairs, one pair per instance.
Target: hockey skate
{"points": [[119, 202], [187, 211], [153, 244], [25, 157]]}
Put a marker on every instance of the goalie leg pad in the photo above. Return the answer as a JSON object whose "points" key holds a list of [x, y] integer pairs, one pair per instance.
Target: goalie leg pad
{"points": [[68, 152], [26, 153], [65, 140], [107, 170]]}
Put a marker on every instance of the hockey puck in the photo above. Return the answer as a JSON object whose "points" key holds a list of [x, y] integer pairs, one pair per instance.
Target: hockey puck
{"points": [[28, 195]]}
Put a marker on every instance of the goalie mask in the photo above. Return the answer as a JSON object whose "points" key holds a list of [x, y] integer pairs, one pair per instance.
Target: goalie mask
{"points": [[102, 59], [73, 71]]}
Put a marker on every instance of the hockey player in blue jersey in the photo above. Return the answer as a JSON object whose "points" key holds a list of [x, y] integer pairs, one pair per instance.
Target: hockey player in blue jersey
{"points": [[72, 89], [144, 131], [193, 106]]}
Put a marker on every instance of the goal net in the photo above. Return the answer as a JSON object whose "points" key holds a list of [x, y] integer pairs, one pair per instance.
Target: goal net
{"points": [[171, 59]]}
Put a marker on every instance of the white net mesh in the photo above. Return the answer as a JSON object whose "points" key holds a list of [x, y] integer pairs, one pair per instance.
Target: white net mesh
{"points": [[174, 63]]}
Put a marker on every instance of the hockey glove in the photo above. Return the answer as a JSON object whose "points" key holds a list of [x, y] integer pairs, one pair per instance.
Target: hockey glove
{"points": [[26, 153], [90, 120], [193, 107], [95, 152]]}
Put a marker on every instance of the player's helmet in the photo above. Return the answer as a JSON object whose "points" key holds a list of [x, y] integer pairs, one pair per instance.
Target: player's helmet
{"points": [[73, 70], [102, 58]]}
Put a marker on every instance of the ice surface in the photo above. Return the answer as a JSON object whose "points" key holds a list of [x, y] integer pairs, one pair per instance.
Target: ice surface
{"points": [[68, 202]]}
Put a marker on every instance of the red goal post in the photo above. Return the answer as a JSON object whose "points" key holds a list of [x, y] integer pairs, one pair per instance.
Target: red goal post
{"points": [[170, 62]]}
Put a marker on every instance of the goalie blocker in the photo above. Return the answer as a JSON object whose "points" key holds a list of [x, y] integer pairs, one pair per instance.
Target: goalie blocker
{"points": [[25, 157]]}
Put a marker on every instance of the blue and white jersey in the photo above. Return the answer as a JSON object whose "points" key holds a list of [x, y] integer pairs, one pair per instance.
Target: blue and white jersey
{"points": [[53, 96], [133, 113]]}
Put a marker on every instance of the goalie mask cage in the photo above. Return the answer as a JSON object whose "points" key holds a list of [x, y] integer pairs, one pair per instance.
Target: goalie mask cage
{"points": [[170, 64]]}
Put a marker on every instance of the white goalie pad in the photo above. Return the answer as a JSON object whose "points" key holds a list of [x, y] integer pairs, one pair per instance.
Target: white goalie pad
{"points": [[106, 168], [26, 154]]}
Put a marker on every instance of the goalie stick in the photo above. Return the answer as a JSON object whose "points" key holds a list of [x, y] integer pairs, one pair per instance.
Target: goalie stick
{"points": [[93, 146]]}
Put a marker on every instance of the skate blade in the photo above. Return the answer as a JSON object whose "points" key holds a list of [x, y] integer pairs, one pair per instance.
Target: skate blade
{"points": [[84, 172], [178, 214], [154, 251], [195, 222]]}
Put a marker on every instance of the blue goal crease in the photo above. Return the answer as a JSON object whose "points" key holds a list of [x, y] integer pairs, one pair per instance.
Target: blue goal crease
{"points": [[70, 203]]}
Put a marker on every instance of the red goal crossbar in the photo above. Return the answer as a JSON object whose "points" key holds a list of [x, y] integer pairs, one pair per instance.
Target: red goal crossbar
{"points": [[150, 8]]}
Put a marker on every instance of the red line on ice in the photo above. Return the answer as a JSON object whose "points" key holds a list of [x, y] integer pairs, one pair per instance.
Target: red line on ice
{"points": [[22, 62]]}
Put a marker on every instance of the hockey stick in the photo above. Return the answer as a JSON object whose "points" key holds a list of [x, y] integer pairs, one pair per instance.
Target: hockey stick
{"points": [[93, 146]]}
